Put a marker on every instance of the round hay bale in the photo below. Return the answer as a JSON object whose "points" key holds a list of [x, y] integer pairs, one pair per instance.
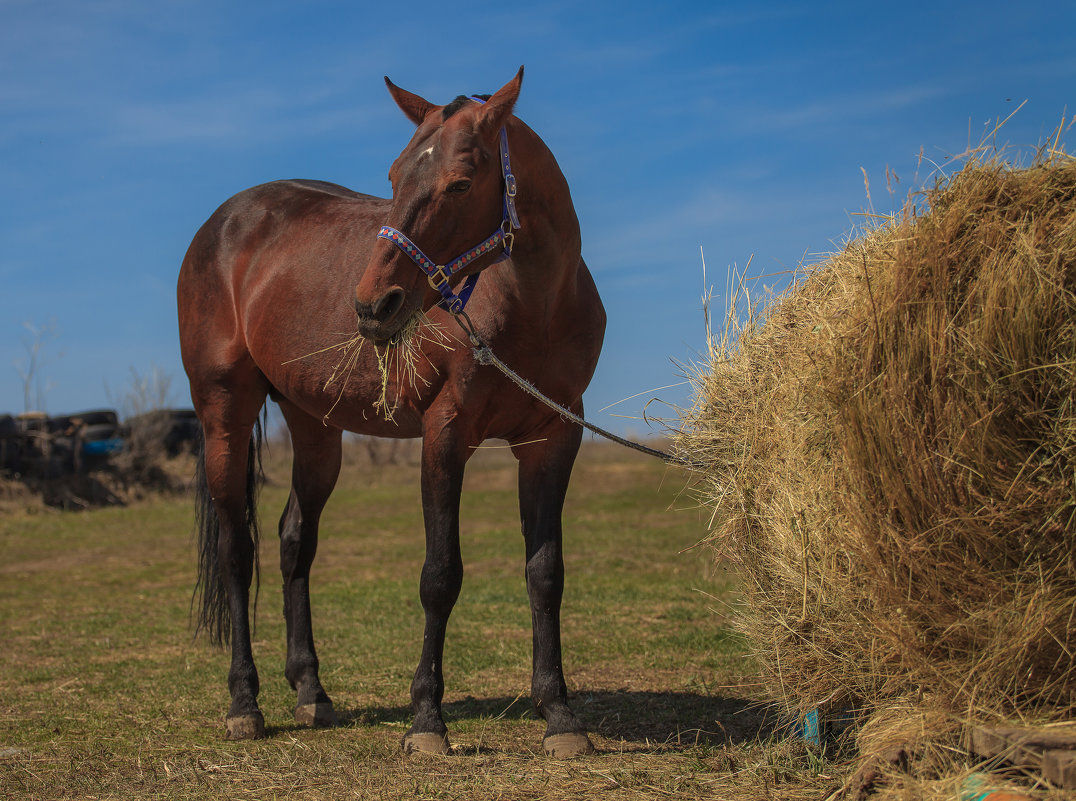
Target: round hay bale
{"points": [[891, 457]]}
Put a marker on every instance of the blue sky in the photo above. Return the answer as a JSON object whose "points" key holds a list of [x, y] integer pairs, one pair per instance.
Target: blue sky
{"points": [[741, 128]]}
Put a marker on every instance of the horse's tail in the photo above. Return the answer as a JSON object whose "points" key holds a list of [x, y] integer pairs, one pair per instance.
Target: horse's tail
{"points": [[210, 597]]}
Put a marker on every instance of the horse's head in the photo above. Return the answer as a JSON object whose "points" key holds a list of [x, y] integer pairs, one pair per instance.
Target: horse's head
{"points": [[448, 195]]}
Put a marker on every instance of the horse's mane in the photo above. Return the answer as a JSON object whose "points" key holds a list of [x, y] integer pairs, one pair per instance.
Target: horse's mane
{"points": [[459, 103]]}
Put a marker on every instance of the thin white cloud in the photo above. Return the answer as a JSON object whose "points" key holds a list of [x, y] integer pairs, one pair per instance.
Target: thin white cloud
{"points": [[93, 72], [835, 110], [258, 115]]}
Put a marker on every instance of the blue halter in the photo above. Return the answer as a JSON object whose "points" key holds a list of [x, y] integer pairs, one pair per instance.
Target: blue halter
{"points": [[503, 237]]}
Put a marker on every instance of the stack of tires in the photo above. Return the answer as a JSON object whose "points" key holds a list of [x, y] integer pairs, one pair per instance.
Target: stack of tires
{"points": [[34, 444], [9, 444], [92, 437]]}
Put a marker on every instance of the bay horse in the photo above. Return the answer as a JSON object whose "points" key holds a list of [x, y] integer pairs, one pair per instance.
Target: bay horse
{"points": [[271, 281]]}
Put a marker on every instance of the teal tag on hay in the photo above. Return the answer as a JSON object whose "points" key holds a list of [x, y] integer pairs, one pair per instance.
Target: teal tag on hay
{"points": [[807, 728]]}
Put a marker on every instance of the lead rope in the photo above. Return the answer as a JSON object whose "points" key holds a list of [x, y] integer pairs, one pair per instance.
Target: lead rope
{"points": [[485, 356]]}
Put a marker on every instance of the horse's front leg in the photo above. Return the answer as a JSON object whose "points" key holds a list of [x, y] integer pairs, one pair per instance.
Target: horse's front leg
{"points": [[544, 470], [443, 461]]}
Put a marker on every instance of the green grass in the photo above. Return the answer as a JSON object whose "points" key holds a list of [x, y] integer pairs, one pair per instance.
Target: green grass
{"points": [[103, 693]]}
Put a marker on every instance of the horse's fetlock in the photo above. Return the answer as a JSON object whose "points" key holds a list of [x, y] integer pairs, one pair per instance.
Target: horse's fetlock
{"points": [[426, 689], [548, 691], [300, 671], [244, 680]]}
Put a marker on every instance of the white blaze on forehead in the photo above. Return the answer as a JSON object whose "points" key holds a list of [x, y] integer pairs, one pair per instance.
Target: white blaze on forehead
{"points": [[427, 152]]}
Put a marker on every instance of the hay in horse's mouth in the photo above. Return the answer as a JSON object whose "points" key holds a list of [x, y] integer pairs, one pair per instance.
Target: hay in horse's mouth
{"points": [[399, 357]]}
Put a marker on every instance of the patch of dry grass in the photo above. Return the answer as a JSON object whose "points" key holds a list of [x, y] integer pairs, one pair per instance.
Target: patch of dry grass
{"points": [[103, 695]]}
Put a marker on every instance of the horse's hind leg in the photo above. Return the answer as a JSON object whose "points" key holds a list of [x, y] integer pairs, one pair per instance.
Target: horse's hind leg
{"points": [[228, 415], [544, 470], [315, 467]]}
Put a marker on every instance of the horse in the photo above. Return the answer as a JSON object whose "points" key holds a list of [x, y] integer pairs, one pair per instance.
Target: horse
{"points": [[268, 286]]}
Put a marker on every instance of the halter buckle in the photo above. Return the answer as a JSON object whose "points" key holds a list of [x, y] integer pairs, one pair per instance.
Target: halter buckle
{"points": [[510, 185], [439, 274]]}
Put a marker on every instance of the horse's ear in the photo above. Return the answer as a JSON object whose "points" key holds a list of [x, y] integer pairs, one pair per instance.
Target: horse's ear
{"points": [[412, 105], [496, 111]]}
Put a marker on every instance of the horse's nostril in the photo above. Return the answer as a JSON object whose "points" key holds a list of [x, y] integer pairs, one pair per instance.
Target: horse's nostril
{"points": [[390, 303], [383, 309]]}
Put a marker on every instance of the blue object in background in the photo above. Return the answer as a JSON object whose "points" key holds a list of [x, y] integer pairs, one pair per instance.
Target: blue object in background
{"points": [[103, 446]]}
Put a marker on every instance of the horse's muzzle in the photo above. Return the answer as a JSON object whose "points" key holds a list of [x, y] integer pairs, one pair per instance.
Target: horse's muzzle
{"points": [[380, 320]]}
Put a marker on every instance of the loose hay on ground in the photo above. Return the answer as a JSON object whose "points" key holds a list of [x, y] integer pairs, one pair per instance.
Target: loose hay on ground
{"points": [[891, 457]]}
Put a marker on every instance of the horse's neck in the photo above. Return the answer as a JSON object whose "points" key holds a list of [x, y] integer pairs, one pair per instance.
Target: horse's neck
{"points": [[546, 258]]}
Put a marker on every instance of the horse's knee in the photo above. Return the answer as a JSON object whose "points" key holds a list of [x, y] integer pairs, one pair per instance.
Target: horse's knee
{"points": [[440, 584], [289, 554], [296, 553], [298, 542], [545, 576]]}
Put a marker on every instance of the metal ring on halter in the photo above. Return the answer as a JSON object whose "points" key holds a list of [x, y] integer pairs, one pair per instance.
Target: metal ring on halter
{"points": [[509, 236]]}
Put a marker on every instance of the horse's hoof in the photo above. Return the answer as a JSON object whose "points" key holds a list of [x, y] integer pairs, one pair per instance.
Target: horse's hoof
{"points": [[317, 716], [245, 727], [426, 743], [566, 746]]}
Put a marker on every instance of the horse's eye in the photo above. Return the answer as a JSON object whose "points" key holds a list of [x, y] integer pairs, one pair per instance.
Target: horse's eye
{"points": [[458, 187]]}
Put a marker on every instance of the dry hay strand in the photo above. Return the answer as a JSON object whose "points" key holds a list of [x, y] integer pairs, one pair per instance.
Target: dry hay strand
{"points": [[398, 362], [891, 457]]}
